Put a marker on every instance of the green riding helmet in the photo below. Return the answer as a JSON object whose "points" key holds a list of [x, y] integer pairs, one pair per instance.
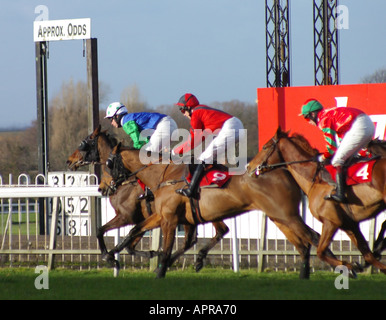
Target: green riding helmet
{"points": [[310, 106]]}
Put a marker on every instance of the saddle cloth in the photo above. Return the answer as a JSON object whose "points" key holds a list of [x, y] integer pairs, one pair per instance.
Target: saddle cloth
{"points": [[215, 176], [356, 173]]}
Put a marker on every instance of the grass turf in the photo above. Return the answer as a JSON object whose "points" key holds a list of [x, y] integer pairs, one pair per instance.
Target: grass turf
{"points": [[209, 284]]}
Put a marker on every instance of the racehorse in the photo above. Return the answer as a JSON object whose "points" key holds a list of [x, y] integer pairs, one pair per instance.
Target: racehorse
{"points": [[276, 194], [124, 199], [365, 200]]}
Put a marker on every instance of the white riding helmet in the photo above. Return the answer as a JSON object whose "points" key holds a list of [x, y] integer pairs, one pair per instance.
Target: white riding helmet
{"points": [[115, 108]]}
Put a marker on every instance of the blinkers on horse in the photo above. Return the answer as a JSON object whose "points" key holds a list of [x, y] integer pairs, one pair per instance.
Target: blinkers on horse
{"points": [[89, 149]]}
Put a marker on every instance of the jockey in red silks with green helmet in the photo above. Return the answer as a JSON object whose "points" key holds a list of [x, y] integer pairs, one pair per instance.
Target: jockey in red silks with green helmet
{"points": [[346, 131]]}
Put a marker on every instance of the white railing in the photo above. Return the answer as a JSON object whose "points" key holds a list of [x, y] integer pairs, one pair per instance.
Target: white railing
{"points": [[248, 238]]}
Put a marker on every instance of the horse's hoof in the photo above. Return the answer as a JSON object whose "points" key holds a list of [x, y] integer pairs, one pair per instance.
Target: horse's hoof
{"points": [[357, 267], [160, 275], [198, 266], [352, 274], [107, 257]]}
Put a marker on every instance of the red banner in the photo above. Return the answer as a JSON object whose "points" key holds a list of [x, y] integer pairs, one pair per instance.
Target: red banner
{"points": [[281, 106]]}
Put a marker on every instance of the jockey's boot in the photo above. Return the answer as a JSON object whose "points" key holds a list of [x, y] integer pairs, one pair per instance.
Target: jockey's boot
{"points": [[191, 190], [339, 194], [147, 195]]}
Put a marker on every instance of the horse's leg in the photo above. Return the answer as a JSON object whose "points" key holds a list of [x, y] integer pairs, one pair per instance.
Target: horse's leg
{"points": [[359, 240], [297, 234], [138, 231], [146, 254], [380, 243], [190, 241], [328, 231], [169, 232], [221, 230], [114, 223]]}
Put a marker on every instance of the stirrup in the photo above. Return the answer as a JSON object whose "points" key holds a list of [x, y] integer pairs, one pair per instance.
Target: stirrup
{"points": [[336, 197], [185, 192], [147, 195]]}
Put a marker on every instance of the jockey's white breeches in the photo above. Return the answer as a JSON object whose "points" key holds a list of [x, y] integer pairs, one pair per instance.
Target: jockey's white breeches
{"points": [[360, 134]]}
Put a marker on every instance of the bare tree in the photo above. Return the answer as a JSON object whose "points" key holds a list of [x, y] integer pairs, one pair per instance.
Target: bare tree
{"points": [[19, 152], [68, 122], [378, 76], [247, 113], [132, 100]]}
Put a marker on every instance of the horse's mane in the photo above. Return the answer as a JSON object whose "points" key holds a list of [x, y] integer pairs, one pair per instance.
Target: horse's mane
{"points": [[377, 143], [110, 138], [304, 144]]}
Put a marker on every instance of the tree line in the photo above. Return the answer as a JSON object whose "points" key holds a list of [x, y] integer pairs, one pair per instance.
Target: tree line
{"points": [[67, 127]]}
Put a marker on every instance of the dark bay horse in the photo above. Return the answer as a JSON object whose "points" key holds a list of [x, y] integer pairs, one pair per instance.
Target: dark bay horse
{"points": [[365, 200], [276, 194], [124, 199]]}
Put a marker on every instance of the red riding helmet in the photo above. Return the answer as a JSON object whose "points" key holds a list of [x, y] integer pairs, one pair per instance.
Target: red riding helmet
{"points": [[187, 101]]}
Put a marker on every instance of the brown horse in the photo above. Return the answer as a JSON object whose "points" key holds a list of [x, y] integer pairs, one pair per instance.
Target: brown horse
{"points": [[276, 194], [124, 199], [365, 200]]}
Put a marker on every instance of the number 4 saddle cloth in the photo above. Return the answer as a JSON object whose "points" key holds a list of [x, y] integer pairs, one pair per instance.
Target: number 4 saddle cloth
{"points": [[216, 176], [358, 172]]}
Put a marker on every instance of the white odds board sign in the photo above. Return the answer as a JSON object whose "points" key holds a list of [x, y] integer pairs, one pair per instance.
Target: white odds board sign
{"points": [[73, 216]]}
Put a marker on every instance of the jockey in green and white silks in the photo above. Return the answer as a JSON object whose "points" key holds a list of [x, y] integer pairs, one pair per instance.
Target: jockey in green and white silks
{"points": [[134, 123]]}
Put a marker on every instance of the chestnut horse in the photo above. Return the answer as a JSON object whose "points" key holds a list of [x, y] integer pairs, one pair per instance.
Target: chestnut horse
{"points": [[276, 194], [124, 199], [365, 200]]}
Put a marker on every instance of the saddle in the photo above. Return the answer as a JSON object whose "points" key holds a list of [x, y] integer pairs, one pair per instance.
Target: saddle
{"points": [[359, 170], [215, 176]]}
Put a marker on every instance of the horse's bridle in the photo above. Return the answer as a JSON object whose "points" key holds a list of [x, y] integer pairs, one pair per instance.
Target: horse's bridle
{"points": [[89, 150], [265, 167], [119, 173]]}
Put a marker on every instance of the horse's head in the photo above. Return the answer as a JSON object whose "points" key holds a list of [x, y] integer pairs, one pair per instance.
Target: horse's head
{"points": [[107, 185], [87, 152], [118, 171], [95, 148], [281, 150], [112, 159], [268, 155]]}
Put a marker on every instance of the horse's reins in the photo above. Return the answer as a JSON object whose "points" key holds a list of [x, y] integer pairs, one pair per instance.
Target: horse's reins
{"points": [[267, 167], [134, 173]]}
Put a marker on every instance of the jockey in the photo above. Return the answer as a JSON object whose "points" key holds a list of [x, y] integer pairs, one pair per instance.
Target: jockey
{"points": [[134, 123], [352, 127], [202, 117]]}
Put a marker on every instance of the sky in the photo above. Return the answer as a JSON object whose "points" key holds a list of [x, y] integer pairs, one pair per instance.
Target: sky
{"points": [[213, 48]]}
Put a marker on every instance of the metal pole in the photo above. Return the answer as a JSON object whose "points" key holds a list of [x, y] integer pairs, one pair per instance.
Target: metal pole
{"points": [[260, 266], [53, 232], [156, 238], [42, 119], [235, 246], [93, 119]]}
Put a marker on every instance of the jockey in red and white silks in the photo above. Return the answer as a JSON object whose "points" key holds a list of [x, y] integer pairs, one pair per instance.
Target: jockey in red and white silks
{"points": [[352, 127]]}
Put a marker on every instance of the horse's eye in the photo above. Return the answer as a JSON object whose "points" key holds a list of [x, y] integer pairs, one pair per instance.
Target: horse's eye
{"points": [[83, 146], [109, 163]]}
